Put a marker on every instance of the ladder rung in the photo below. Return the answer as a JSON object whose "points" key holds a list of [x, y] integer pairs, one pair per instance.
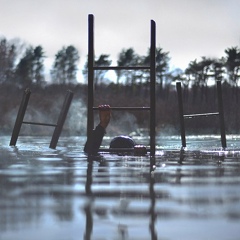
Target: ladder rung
{"points": [[121, 68], [43, 124], [200, 115], [126, 108]]}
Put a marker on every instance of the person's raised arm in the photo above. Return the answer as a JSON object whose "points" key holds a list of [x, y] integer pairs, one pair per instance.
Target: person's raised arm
{"points": [[94, 141], [104, 115]]}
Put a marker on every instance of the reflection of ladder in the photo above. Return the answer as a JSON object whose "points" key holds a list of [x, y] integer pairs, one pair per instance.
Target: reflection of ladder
{"points": [[220, 113], [58, 127], [151, 68]]}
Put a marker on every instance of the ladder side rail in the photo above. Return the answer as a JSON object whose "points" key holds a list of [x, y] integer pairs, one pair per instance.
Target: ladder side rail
{"points": [[20, 117], [181, 116], [61, 119], [152, 88], [90, 118], [221, 114]]}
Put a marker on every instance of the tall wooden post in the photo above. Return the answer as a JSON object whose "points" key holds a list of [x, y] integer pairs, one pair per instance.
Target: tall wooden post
{"points": [[20, 117], [90, 118], [221, 114], [61, 119], [152, 89], [181, 116]]}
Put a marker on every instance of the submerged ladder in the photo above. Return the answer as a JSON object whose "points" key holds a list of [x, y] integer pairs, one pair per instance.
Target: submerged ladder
{"points": [[151, 68], [219, 113], [58, 126]]}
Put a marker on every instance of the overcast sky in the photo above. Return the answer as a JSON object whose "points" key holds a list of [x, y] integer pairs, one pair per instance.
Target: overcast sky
{"points": [[187, 29]]}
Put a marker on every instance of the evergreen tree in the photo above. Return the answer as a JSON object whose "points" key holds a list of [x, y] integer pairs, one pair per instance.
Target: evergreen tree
{"points": [[24, 69], [7, 61], [162, 66], [127, 58], [30, 67], [38, 67], [64, 69], [218, 69], [102, 61], [232, 64]]}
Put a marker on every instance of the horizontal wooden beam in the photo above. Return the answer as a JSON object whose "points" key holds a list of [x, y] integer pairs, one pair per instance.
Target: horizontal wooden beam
{"points": [[42, 124], [201, 115], [126, 108], [121, 68]]}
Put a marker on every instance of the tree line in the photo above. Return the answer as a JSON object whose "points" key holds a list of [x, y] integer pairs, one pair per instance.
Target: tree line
{"points": [[23, 66]]}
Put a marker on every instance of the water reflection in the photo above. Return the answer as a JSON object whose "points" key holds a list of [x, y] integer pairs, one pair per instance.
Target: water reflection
{"points": [[60, 194], [122, 209]]}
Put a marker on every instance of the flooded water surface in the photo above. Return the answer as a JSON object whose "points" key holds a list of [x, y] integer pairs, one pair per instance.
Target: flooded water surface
{"points": [[61, 194]]}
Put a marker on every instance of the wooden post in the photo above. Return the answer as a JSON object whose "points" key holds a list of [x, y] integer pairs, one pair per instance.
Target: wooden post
{"points": [[152, 89], [181, 116], [61, 119], [90, 118], [221, 114], [20, 117]]}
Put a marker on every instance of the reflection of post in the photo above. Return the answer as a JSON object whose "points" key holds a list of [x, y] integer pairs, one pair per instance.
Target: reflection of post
{"points": [[88, 207], [152, 209], [182, 156]]}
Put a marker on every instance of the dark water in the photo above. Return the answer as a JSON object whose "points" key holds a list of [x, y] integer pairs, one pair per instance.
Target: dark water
{"points": [[56, 194]]}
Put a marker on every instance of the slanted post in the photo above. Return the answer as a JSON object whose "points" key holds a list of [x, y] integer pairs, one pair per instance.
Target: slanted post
{"points": [[221, 114], [61, 119], [20, 117], [152, 89], [181, 116], [90, 119]]}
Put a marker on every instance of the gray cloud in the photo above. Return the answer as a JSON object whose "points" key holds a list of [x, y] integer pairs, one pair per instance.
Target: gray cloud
{"points": [[188, 29]]}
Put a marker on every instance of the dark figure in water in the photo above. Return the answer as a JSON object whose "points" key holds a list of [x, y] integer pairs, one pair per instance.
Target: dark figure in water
{"points": [[94, 141]]}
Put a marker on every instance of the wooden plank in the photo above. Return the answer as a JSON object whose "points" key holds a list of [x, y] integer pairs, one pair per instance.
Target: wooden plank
{"points": [[126, 108], [201, 115], [121, 68]]}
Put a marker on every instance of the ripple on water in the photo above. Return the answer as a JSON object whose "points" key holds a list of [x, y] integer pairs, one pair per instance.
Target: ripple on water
{"points": [[63, 190], [49, 158]]}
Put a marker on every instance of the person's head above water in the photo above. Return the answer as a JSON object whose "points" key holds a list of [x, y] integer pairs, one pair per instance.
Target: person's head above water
{"points": [[122, 142], [126, 143]]}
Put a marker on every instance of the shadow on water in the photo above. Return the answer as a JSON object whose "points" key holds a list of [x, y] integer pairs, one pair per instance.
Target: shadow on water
{"points": [[61, 194]]}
